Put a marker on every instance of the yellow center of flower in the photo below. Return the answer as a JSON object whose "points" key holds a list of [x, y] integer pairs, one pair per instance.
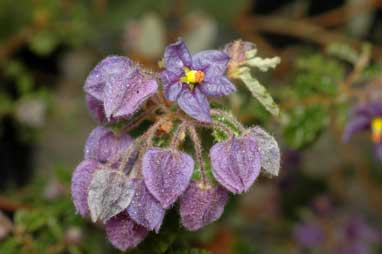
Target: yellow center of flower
{"points": [[376, 128], [192, 77]]}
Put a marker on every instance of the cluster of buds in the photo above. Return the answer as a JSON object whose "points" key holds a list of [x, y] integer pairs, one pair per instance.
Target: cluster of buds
{"points": [[128, 183]]}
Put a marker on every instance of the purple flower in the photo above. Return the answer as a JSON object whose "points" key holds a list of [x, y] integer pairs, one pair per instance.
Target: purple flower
{"points": [[81, 179], [103, 145], [308, 234], [116, 88], [236, 163], [202, 204], [190, 79], [365, 118], [167, 173], [123, 233], [144, 209]]}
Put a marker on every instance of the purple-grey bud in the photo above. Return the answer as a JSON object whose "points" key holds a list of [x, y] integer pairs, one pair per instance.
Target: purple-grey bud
{"points": [[119, 86], [202, 204], [123, 233], [144, 209], [103, 145], [81, 179], [236, 163], [167, 173]]}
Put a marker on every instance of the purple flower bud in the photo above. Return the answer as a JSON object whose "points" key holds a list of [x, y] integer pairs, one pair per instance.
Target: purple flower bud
{"points": [[81, 179], [119, 86], [237, 51], [144, 209], [201, 204], [102, 144], [236, 163], [167, 173], [123, 233]]}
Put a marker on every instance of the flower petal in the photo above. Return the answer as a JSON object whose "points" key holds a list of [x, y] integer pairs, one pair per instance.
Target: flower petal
{"points": [[123, 233], [96, 109], [177, 56], [144, 209], [81, 179], [370, 110], [173, 91], [212, 62], [236, 163], [218, 87], [195, 104], [167, 174], [201, 205], [357, 124], [103, 145]]}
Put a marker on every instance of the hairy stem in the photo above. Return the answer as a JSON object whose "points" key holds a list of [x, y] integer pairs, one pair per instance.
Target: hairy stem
{"points": [[231, 118], [219, 126], [198, 152], [176, 138], [145, 115]]}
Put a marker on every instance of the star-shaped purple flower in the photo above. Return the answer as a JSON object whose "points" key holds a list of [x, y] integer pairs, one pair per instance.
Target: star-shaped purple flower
{"points": [[367, 117], [190, 79]]}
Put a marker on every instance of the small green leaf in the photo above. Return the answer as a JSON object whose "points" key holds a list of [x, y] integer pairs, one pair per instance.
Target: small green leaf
{"points": [[263, 64], [30, 220], [304, 125], [258, 91]]}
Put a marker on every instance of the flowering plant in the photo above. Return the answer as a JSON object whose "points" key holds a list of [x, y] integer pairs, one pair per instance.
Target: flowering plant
{"points": [[129, 183]]}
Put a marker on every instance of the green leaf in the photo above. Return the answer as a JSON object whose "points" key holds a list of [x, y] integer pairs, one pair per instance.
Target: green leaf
{"points": [[43, 43], [304, 125], [258, 91], [317, 75], [30, 220]]}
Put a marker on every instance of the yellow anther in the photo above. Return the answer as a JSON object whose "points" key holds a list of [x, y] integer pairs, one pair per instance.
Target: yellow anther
{"points": [[376, 128], [192, 77]]}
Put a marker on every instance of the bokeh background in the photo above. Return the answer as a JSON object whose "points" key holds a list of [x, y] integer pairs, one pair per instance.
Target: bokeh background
{"points": [[328, 197]]}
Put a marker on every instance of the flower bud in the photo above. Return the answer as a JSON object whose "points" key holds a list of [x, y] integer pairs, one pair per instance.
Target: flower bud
{"points": [[202, 204], [236, 163], [123, 233], [81, 179], [119, 86], [167, 174], [144, 209], [103, 145]]}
